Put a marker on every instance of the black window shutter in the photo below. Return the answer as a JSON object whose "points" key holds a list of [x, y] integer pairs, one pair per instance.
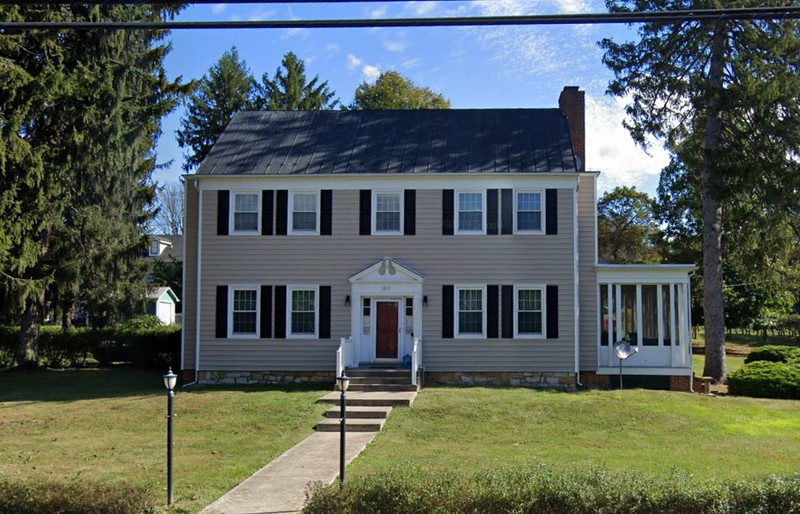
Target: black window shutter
{"points": [[326, 219], [281, 212], [551, 211], [324, 312], [365, 213], [222, 312], [508, 211], [493, 312], [492, 221], [508, 312], [223, 211], [448, 198], [266, 312], [552, 312], [267, 208], [280, 312], [410, 212], [447, 312]]}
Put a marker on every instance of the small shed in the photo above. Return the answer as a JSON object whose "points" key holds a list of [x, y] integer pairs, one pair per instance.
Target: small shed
{"points": [[161, 303]]}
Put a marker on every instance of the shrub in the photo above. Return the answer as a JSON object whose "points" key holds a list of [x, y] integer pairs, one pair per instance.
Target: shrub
{"points": [[773, 354], [766, 379], [412, 491], [74, 497]]}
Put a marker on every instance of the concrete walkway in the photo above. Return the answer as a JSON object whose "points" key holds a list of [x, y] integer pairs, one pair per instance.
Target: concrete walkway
{"points": [[280, 486]]}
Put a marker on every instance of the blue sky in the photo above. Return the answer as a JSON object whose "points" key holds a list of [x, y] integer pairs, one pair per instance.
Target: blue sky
{"points": [[474, 67]]}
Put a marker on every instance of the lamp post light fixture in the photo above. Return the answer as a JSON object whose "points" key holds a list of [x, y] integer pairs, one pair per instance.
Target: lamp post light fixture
{"points": [[170, 379], [342, 382]]}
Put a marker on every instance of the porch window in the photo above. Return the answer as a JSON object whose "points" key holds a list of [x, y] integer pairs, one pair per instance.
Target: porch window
{"points": [[666, 313], [245, 213], [471, 314], [628, 314], [528, 312], [650, 315], [387, 213], [470, 213], [528, 211], [303, 312], [305, 212], [244, 311]]}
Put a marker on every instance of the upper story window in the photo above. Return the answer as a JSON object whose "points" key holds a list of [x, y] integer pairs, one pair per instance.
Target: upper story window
{"points": [[528, 312], [154, 248], [471, 213], [303, 311], [388, 213], [245, 213], [471, 314], [305, 213], [528, 211], [244, 310]]}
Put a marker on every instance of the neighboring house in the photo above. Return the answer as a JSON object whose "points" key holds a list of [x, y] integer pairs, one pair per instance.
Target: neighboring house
{"points": [[468, 235], [165, 247], [161, 302]]}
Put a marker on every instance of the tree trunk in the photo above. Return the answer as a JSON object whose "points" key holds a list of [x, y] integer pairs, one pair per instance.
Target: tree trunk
{"points": [[29, 331], [716, 365]]}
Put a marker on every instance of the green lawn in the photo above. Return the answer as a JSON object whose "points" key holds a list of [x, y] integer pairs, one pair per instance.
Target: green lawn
{"points": [[734, 362], [652, 432], [109, 425]]}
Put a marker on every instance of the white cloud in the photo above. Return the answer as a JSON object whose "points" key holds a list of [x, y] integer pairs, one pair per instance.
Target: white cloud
{"points": [[380, 12], [333, 48], [395, 46], [408, 64], [261, 14], [371, 73], [218, 8], [422, 8], [611, 150], [353, 62], [573, 6]]}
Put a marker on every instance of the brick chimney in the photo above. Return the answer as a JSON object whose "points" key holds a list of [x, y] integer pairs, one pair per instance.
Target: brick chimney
{"points": [[573, 107]]}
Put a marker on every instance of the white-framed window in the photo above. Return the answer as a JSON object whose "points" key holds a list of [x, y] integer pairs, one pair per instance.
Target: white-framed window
{"points": [[470, 212], [529, 308], [387, 214], [528, 211], [245, 218], [305, 210], [243, 313], [470, 308], [302, 313], [154, 248]]}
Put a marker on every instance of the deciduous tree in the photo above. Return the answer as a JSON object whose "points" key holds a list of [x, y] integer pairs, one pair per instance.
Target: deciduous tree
{"points": [[627, 231], [394, 91]]}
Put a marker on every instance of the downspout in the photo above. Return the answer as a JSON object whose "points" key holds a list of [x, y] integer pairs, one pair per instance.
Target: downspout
{"points": [[198, 282], [576, 282], [689, 317]]}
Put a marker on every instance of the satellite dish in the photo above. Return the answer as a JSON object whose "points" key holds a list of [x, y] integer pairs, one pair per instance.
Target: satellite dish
{"points": [[623, 350]]}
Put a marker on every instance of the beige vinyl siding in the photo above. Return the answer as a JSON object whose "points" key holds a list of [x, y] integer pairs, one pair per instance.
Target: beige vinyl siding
{"points": [[587, 239], [190, 275], [331, 260]]}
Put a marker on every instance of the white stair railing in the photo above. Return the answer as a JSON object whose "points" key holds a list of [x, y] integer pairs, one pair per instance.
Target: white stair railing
{"points": [[416, 360], [344, 355]]}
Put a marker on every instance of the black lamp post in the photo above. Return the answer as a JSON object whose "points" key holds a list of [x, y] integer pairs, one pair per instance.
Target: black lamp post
{"points": [[343, 383], [169, 382]]}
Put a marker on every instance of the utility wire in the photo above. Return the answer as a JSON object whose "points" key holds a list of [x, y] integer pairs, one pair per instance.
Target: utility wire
{"points": [[755, 13]]}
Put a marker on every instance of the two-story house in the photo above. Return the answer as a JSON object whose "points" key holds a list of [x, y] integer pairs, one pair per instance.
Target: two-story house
{"points": [[461, 240]]}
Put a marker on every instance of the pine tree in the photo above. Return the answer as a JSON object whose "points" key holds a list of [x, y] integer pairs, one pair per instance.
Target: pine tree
{"points": [[227, 89], [729, 90], [394, 91], [289, 90]]}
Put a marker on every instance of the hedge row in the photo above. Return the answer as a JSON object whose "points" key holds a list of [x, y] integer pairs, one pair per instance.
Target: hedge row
{"points": [[74, 498], [149, 346], [769, 372], [538, 490]]}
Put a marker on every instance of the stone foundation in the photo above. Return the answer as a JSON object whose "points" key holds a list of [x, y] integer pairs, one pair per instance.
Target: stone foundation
{"points": [[265, 377], [534, 379]]}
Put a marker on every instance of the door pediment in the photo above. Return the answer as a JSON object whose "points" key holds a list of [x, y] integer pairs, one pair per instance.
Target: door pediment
{"points": [[387, 270]]}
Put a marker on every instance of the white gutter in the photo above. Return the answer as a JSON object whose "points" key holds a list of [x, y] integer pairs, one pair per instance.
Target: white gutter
{"points": [[576, 282]]}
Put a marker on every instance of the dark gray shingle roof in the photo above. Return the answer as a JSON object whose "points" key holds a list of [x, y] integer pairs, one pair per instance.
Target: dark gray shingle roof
{"points": [[423, 141]]}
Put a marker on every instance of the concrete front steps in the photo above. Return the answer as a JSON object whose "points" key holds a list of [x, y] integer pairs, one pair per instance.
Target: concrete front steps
{"points": [[370, 398]]}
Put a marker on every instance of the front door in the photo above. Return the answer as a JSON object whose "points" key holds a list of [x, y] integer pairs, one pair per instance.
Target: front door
{"points": [[387, 330]]}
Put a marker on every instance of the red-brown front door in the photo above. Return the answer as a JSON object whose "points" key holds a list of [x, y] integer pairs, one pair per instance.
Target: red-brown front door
{"points": [[387, 327]]}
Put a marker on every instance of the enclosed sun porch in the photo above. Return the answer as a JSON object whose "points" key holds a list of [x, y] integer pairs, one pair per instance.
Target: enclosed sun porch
{"points": [[649, 307]]}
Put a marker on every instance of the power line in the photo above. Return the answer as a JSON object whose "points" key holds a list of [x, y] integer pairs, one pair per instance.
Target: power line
{"points": [[753, 13]]}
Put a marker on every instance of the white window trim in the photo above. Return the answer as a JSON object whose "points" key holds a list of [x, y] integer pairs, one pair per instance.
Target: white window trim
{"points": [[374, 213], [456, 321], [541, 204], [543, 291], [232, 214], [457, 211], [154, 243], [244, 287], [300, 287], [290, 214]]}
